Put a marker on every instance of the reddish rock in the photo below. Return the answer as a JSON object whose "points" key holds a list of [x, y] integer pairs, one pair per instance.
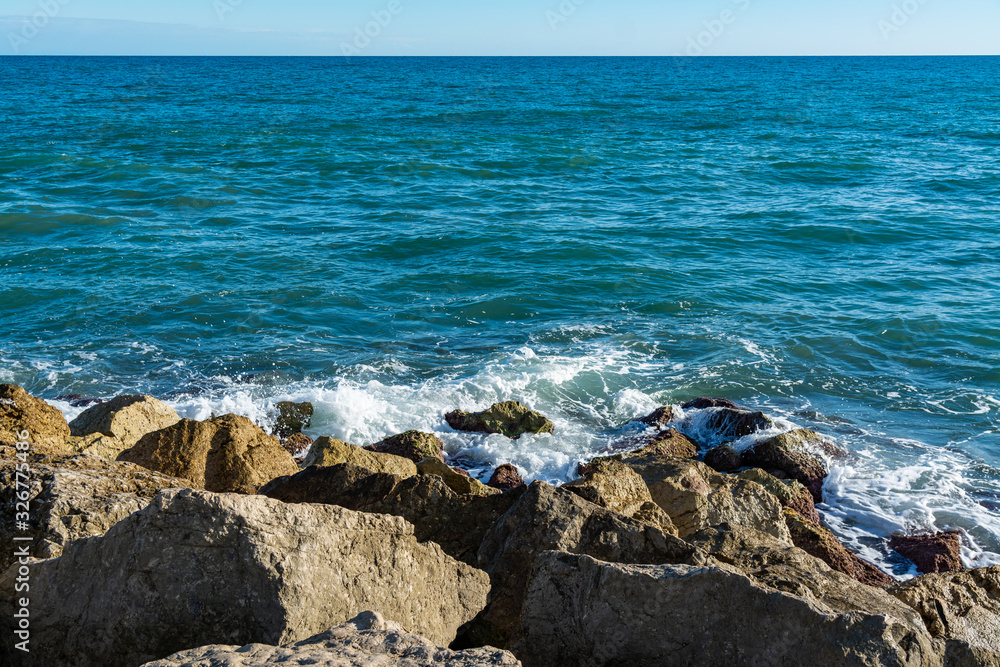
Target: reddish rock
{"points": [[297, 444], [292, 418], [505, 477], [730, 424], [702, 403], [821, 543], [932, 554], [723, 459], [412, 445], [461, 471]]}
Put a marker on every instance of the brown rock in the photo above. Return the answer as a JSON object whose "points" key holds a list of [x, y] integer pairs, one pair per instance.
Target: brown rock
{"points": [[505, 477], [512, 419], [297, 444], [730, 424], [412, 445], [615, 486], [702, 403], [330, 451], [823, 544], [222, 454], [787, 454], [789, 492], [292, 418], [939, 552], [345, 485], [20, 412], [97, 444], [723, 458], [460, 484], [127, 418], [661, 416]]}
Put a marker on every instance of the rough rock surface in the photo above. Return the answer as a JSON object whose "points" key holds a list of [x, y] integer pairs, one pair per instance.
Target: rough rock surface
{"points": [[127, 418], [613, 485], [730, 424], [227, 453], [97, 444], [940, 552], [194, 568], [787, 453], [581, 611], [707, 402], [345, 484], [821, 543], [297, 444], [20, 411], [789, 492], [662, 416], [72, 496], [505, 477], [364, 641], [512, 419], [330, 452], [412, 445], [723, 458], [457, 482], [292, 418]]}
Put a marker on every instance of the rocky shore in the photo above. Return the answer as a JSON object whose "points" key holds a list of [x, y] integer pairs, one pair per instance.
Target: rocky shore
{"points": [[156, 540]]}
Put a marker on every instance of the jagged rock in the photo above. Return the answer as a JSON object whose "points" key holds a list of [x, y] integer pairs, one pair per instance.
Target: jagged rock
{"points": [[345, 484], [297, 444], [581, 611], [71, 496], [789, 492], [330, 451], [939, 552], [702, 403], [787, 453], [460, 484], [412, 445], [730, 424], [547, 518], [613, 485], [97, 444], [723, 458], [662, 416], [127, 418], [512, 419], [962, 608], [505, 477], [227, 453], [196, 567], [292, 418], [672, 443], [20, 411], [821, 543], [364, 641]]}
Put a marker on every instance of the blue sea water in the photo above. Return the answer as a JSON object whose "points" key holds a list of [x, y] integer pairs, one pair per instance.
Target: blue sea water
{"points": [[394, 238]]}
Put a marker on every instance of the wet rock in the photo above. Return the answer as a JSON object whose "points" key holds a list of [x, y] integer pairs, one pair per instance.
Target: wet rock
{"points": [[671, 443], [79, 400], [196, 567], [938, 552], [292, 418], [730, 424], [512, 419], [297, 444], [367, 639], [788, 454], [345, 484], [127, 418], [20, 411], [330, 451], [702, 403], [662, 416], [615, 486], [821, 543], [412, 445], [460, 484], [789, 492], [227, 453], [723, 458], [505, 477]]}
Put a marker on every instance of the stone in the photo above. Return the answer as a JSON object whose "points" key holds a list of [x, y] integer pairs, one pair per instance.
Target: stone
{"points": [[512, 419], [615, 486], [730, 424], [787, 453], [345, 484], [821, 543], [662, 416], [79, 400], [671, 443], [703, 403], [127, 418], [20, 412], [934, 553], [330, 451], [789, 492], [364, 641], [412, 445], [195, 567], [72, 497], [97, 444], [296, 444], [292, 418], [222, 454], [460, 484], [723, 458], [505, 477], [581, 611]]}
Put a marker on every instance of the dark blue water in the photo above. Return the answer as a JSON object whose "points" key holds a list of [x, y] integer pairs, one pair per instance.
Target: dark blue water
{"points": [[394, 238]]}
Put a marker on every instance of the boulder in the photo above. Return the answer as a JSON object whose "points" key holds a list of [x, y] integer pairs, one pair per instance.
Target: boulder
{"points": [[581, 611], [615, 486], [787, 453], [345, 485], [671, 443], [72, 497], [79, 400], [195, 567], [512, 419], [703, 403], [821, 543], [505, 477], [366, 640], [412, 445], [457, 482], [662, 416], [789, 492], [730, 424], [97, 444], [292, 418], [227, 453], [127, 418], [296, 444], [723, 458], [20, 412], [934, 553], [330, 451]]}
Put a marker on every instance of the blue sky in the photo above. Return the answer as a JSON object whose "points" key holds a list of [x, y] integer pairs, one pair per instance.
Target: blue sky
{"points": [[511, 27]]}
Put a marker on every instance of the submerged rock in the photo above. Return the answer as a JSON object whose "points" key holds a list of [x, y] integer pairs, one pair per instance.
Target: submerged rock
{"points": [[330, 451], [127, 418], [702, 403], [20, 412], [939, 552], [292, 418], [787, 453], [457, 482], [297, 444], [505, 477], [730, 424], [512, 419], [662, 416], [412, 445], [821, 543]]}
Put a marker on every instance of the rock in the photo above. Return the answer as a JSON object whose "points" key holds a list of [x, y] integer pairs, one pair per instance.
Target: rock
{"points": [[546, 518], [71, 496], [615, 486], [412, 445], [460, 484], [227, 453], [97, 444], [702, 403], [671, 443], [20, 411], [960, 607], [292, 418], [789, 492], [345, 484], [723, 458], [787, 454], [505, 477], [329, 451], [730, 424], [296, 444], [127, 418], [196, 567], [821, 543], [79, 400], [512, 419], [364, 641], [581, 611], [940, 552], [662, 416]]}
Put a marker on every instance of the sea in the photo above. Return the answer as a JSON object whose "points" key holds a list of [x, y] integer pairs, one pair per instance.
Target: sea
{"points": [[395, 238]]}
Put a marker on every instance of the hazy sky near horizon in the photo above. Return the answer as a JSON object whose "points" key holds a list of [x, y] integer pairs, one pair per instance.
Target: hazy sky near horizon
{"points": [[512, 27]]}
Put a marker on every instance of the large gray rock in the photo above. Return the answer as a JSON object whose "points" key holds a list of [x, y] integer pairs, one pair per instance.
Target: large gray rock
{"points": [[195, 568], [581, 611], [127, 418], [365, 641]]}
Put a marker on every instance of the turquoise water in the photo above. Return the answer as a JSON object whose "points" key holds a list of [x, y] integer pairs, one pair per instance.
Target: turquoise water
{"points": [[394, 238]]}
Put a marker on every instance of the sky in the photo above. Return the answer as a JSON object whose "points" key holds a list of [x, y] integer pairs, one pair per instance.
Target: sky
{"points": [[507, 27]]}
